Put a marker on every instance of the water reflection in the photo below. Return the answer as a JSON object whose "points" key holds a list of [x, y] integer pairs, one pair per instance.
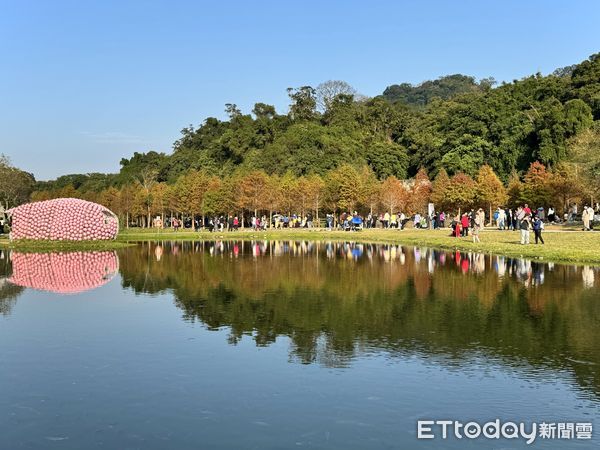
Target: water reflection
{"points": [[8, 292], [63, 273], [336, 301]]}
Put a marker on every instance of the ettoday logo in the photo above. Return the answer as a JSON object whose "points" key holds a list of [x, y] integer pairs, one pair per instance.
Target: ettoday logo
{"points": [[496, 429]]}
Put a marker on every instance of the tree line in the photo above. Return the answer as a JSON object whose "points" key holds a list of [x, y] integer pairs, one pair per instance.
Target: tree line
{"points": [[198, 194]]}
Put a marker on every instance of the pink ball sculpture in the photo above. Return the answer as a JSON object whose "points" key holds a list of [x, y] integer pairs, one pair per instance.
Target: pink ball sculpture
{"points": [[63, 219], [63, 273]]}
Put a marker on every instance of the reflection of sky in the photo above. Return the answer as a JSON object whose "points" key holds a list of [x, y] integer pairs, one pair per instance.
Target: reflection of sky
{"points": [[110, 369]]}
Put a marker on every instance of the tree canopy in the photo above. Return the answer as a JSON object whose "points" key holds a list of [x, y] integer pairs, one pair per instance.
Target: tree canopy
{"points": [[452, 126]]}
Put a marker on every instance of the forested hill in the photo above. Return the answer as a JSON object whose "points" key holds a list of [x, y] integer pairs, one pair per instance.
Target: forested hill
{"points": [[443, 88], [454, 122]]}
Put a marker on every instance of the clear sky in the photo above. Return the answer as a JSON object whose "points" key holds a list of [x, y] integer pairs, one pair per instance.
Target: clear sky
{"points": [[85, 83]]}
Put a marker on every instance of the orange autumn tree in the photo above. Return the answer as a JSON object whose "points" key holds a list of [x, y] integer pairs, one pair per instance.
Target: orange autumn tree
{"points": [[370, 188], [461, 192], [181, 200], [300, 194], [288, 185], [490, 190], [565, 187], [420, 192], [342, 188], [127, 200], [536, 186], [273, 196], [213, 200], [111, 198], [438, 190], [514, 189], [394, 195], [160, 193], [252, 191], [315, 187]]}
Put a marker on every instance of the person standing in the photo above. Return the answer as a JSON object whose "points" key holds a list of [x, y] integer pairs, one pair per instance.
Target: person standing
{"points": [[456, 227], [478, 224], [538, 226], [524, 225], [501, 218], [464, 222], [585, 218]]}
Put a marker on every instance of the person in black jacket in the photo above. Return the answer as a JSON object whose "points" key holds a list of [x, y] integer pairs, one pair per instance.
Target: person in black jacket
{"points": [[538, 226]]}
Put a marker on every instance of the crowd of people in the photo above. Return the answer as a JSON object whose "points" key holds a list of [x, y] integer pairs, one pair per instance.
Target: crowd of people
{"points": [[468, 223]]}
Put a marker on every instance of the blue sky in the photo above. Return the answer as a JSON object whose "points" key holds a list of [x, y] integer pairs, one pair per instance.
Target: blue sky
{"points": [[83, 84]]}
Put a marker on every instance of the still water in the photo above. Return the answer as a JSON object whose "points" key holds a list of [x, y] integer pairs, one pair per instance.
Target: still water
{"points": [[276, 345]]}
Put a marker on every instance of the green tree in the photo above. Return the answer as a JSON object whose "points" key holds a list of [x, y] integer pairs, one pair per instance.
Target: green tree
{"points": [[16, 185], [304, 103]]}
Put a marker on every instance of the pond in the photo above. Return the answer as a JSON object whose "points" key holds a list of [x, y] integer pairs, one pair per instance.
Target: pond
{"points": [[292, 344]]}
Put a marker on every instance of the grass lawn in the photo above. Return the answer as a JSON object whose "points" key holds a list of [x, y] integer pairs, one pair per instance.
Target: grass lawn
{"points": [[561, 246], [58, 246]]}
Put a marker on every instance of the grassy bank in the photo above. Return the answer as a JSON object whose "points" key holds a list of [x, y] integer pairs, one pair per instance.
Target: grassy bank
{"points": [[60, 246], [561, 246], [567, 246]]}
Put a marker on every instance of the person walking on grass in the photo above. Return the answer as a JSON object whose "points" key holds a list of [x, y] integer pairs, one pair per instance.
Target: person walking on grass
{"points": [[524, 226], [538, 227]]}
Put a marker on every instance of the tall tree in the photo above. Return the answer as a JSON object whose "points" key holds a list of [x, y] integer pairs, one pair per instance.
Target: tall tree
{"points": [[438, 190], [490, 190], [304, 103], [461, 192], [394, 195], [16, 185], [253, 190], [146, 180], [420, 192], [536, 186], [327, 91]]}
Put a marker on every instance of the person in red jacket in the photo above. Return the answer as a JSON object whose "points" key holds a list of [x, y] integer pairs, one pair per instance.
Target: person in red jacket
{"points": [[464, 222]]}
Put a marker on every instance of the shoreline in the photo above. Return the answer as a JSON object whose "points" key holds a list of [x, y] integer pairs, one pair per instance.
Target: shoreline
{"points": [[561, 246]]}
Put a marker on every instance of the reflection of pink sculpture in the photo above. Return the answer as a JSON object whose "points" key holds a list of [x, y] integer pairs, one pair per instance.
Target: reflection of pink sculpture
{"points": [[64, 273], [68, 219]]}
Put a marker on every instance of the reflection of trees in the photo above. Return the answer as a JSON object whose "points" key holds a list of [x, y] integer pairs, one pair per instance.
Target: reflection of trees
{"points": [[8, 292], [381, 297], [8, 296]]}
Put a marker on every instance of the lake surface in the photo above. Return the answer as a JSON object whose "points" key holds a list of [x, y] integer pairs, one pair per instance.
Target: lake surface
{"points": [[276, 345]]}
